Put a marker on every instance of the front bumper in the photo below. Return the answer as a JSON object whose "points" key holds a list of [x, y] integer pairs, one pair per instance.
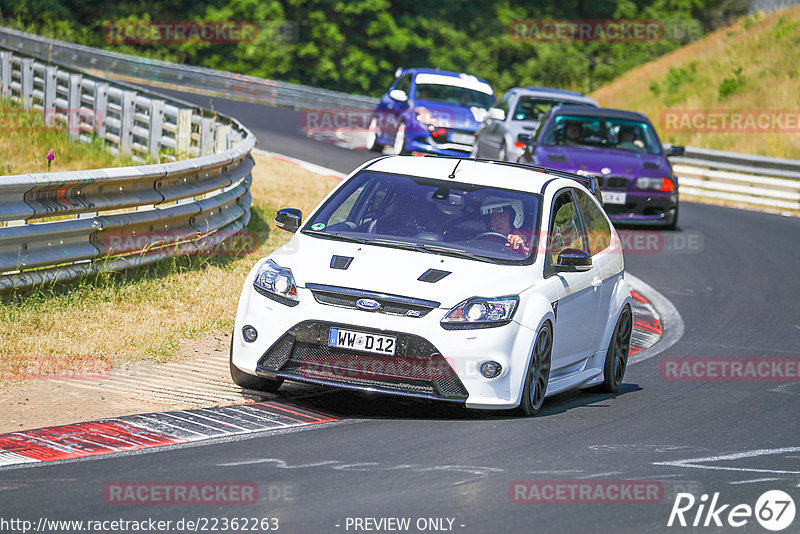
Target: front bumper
{"points": [[430, 362], [644, 207]]}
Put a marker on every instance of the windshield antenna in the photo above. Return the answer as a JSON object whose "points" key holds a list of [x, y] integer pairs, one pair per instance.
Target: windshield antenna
{"points": [[453, 174]]}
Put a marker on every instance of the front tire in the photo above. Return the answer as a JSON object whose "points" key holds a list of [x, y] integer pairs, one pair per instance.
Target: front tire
{"points": [[618, 351], [372, 136], [399, 147], [674, 224], [538, 375], [503, 154], [248, 381]]}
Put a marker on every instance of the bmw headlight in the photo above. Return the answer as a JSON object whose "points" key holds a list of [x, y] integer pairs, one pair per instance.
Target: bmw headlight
{"points": [[276, 283], [655, 184], [479, 312]]}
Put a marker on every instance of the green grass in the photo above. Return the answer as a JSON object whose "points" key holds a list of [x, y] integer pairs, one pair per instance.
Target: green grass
{"points": [[752, 65], [146, 313], [26, 140]]}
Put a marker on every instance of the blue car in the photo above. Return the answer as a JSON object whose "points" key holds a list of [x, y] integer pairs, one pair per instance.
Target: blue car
{"points": [[432, 111]]}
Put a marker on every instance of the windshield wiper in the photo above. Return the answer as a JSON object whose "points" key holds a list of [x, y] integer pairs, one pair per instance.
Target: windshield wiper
{"points": [[420, 247], [433, 249], [337, 236]]}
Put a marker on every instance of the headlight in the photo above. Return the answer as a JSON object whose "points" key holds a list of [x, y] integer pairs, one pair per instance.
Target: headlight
{"points": [[276, 283], [481, 313], [655, 184]]}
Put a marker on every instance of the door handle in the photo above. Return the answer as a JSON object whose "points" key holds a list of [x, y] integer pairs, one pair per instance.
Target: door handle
{"points": [[597, 282]]}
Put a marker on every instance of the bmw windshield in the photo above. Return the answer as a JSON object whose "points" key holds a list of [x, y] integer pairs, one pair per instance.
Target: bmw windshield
{"points": [[431, 216], [605, 132]]}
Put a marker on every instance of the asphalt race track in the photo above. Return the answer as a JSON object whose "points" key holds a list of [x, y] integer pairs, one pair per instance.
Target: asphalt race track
{"points": [[738, 298]]}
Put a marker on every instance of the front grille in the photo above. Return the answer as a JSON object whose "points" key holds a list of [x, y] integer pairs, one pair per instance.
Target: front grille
{"points": [[617, 182], [345, 297], [417, 368]]}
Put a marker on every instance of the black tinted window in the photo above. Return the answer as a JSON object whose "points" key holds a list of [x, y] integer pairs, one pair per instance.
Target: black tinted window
{"points": [[597, 227]]}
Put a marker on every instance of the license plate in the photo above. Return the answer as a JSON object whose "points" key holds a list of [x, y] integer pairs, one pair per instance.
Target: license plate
{"points": [[347, 339], [613, 197], [462, 139]]}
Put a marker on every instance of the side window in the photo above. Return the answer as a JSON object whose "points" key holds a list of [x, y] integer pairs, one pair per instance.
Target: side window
{"points": [[566, 229], [404, 84], [597, 226]]}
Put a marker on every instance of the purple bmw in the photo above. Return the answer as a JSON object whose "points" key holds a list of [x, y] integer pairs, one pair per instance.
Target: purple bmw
{"points": [[622, 150], [432, 111]]}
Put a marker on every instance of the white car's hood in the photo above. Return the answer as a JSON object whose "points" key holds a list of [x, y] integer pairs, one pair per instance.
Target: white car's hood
{"points": [[395, 271]]}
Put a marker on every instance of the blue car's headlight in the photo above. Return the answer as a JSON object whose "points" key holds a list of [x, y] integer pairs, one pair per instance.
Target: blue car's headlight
{"points": [[479, 312], [276, 283]]}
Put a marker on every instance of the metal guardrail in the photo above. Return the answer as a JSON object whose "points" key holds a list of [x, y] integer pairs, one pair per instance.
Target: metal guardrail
{"points": [[56, 226], [744, 178], [207, 81]]}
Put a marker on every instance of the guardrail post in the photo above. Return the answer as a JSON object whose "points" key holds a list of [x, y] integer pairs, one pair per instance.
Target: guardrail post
{"points": [[126, 122], [5, 74], [50, 81], [222, 140], [100, 109], [156, 127], [206, 136], [27, 82], [183, 138], [74, 105]]}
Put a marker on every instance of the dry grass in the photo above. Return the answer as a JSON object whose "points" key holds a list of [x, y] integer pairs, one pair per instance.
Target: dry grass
{"points": [[767, 50], [26, 140], [146, 314]]}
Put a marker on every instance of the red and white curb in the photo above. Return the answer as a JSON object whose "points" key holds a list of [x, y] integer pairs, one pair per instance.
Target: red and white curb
{"points": [[647, 328], [130, 433]]}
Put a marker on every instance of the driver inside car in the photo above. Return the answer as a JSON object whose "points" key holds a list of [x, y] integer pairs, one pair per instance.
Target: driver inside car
{"points": [[505, 218]]}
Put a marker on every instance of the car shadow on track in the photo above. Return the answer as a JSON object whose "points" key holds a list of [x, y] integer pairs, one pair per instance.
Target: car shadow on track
{"points": [[359, 405]]}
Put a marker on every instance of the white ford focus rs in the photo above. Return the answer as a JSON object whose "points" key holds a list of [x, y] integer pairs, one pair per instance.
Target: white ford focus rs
{"points": [[488, 284]]}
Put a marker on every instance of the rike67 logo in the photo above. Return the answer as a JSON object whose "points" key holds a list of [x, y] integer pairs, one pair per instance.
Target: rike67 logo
{"points": [[774, 510]]}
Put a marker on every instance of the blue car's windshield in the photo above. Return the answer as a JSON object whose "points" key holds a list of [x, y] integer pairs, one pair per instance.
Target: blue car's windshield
{"points": [[436, 216], [605, 132], [450, 94]]}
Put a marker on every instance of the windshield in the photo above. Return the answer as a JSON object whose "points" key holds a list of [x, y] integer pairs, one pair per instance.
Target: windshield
{"points": [[532, 109], [433, 216], [450, 94], [605, 132]]}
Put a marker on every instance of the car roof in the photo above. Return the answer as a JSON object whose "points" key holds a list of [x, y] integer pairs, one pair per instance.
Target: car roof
{"points": [[504, 175], [566, 109], [550, 92]]}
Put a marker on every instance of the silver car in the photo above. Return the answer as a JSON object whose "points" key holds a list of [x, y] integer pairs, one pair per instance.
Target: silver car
{"points": [[511, 123]]}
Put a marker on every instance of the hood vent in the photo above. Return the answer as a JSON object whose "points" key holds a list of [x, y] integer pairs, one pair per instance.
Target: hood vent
{"points": [[432, 276], [341, 262], [558, 157], [651, 165]]}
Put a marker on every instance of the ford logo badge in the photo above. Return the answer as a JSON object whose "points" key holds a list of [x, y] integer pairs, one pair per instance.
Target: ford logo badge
{"points": [[368, 304]]}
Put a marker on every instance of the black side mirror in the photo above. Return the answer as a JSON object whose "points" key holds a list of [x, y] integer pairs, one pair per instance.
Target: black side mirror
{"points": [[676, 150], [289, 219], [573, 260]]}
